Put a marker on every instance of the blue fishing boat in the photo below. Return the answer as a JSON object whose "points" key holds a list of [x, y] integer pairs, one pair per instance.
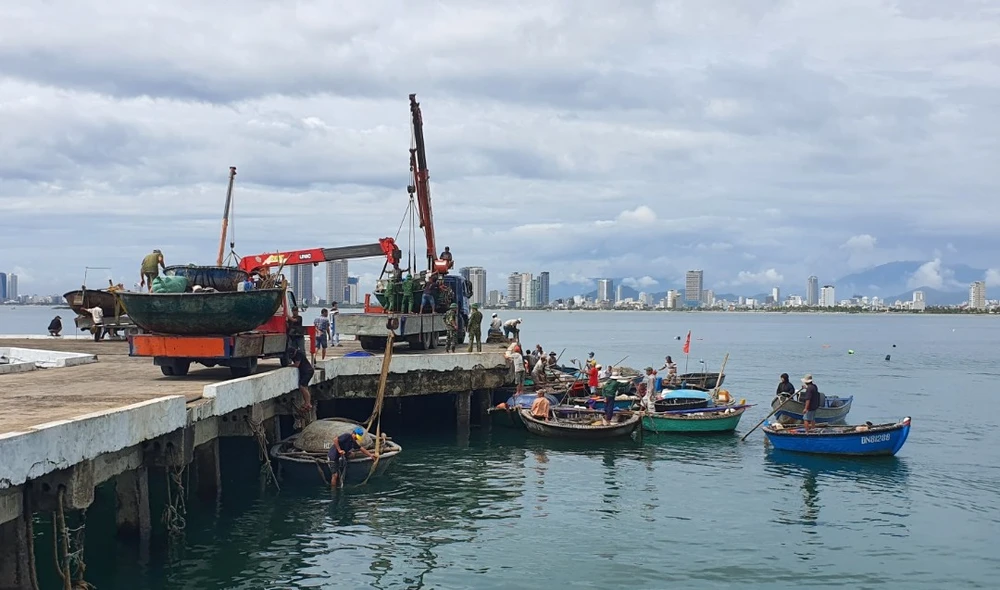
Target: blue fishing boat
{"points": [[832, 409], [865, 439], [683, 399]]}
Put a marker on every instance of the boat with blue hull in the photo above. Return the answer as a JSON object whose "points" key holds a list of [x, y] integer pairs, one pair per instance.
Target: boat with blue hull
{"points": [[862, 440], [832, 409]]}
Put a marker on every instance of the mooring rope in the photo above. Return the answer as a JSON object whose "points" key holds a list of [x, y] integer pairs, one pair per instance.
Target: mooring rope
{"points": [[379, 403], [267, 470], [69, 564], [176, 507]]}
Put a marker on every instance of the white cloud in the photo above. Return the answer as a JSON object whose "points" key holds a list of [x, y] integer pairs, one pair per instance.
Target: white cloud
{"points": [[992, 278], [764, 277], [863, 243], [640, 283], [931, 274], [641, 215]]}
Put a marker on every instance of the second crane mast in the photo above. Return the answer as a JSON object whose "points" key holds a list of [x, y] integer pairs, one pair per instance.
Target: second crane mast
{"points": [[421, 186]]}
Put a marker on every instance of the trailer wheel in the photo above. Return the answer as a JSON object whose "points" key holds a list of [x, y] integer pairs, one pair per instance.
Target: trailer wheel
{"points": [[372, 343], [434, 338], [244, 371], [181, 367], [167, 370]]}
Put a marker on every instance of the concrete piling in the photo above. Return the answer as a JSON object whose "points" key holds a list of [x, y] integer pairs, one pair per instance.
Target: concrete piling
{"points": [[208, 474], [15, 555], [132, 515]]}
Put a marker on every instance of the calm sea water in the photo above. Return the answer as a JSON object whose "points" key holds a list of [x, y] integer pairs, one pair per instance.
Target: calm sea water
{"points": [[511, 511]]}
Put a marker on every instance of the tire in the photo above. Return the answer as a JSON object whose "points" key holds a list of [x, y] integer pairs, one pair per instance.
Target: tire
{"points": [[181, 367], [167, 370], [460, 337], [244, 371], [434, 339], [372, 343]]}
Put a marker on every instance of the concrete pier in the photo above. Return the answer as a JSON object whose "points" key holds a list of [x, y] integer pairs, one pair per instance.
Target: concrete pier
{"points": [[69, 428]]}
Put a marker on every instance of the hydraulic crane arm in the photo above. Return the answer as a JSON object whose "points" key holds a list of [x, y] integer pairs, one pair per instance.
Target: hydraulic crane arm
{"points": [[384, 247], [421, 186]]}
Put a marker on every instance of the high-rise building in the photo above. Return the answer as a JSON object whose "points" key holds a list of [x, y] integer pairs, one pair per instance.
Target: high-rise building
{"points": [[3, 287], [543, 282], [12, 286], [619, 294], [301, 280], [535, 293], [513, 289], [477, 276], [526, 300], [352, 293], [673, 299], [918, 296], [828, 296], [693, 284], [494, 298], [336, 280], [709, 297], [812, 291], [977, 295], [605, 290], [776, 295]]}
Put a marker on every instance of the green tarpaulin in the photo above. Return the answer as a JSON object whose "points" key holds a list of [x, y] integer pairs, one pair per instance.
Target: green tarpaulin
{"points": [[169, 284]]}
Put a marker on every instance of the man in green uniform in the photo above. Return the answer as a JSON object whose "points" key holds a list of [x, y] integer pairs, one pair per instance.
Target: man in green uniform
{"points": [[407, 306], [476, 328], [149, 271], [390, 295], [451, 327]]}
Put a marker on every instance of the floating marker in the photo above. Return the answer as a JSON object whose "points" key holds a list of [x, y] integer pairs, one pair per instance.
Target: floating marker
{"points": [[850, 352], [894, 346], [887, 356]]}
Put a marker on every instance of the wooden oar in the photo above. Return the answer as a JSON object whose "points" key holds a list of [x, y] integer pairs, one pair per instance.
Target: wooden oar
{"points": [[766, 417], [718, 381]]}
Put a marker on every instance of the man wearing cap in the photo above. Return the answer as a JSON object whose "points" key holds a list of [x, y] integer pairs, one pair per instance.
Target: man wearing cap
{"points": [[512, 328], [149, 269], [811, 397], [337, 455], [451, 327], [476, 328], [553, 359]]}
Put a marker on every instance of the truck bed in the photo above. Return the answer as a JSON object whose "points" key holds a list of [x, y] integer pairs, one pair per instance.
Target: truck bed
{"points": [[421, 331]]}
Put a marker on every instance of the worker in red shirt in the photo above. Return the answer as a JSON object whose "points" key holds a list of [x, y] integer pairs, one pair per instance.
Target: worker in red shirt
{"points": [[592, 379]]}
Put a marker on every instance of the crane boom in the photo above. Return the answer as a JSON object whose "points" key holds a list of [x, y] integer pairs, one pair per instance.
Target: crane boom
{"points": [[421, 182], [384, 247]]}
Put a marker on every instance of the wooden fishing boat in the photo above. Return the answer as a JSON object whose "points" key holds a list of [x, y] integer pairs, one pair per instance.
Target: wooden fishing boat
{"points": [[705, 380], [683, 399], [507, 413], [863, 440], [220, 278], [571, 423], [82, 299], [715, 419], [832, 409], [303, 456], [211, 313]]}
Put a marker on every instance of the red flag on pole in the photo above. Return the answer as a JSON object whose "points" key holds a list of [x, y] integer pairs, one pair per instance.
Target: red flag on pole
{"points": [[687, 344]]}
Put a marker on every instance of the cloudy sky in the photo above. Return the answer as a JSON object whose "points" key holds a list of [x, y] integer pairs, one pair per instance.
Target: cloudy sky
{"points": [[759, 140]]}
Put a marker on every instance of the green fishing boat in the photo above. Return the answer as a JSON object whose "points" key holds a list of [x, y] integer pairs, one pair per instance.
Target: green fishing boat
{"points": [[204, 313], [716, 419]]}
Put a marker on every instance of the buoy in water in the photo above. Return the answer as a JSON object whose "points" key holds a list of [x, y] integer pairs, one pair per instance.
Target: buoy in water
{"points": [[894, 346], [887, 356], [677, 337], [850, 352]]}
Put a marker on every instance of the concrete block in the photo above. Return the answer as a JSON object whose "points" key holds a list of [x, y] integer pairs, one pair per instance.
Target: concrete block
{"points": [[174, 449], [111, 464], [58, 445], [238, 423], [48, 358], [77, 481], [246, 391], [17, 367], [208, 475]]}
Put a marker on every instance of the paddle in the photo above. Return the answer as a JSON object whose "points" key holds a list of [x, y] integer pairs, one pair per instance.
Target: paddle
{"points": [[766, 417], [718, 381]]}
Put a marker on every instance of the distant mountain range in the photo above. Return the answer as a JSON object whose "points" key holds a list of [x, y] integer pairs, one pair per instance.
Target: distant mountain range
{"points": [[942, 284]]}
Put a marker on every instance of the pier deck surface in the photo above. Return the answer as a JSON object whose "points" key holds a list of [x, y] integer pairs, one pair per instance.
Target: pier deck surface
{"points": [[115, 380]]}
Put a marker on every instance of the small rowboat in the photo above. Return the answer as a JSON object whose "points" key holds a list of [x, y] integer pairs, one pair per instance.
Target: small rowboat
{"points": [[191, 314], [706, 380], [506, 414], [683, 399], [832, 409], [302, 457], [580, 424], [717, 419], [867, 440], [82, 299]]}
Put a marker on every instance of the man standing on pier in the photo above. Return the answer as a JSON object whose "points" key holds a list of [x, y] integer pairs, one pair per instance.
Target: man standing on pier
{"points": [[149, 269], [476, 328], [97, 321], [407, 306], [322, 325], [334, 334], [451, 327]]}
